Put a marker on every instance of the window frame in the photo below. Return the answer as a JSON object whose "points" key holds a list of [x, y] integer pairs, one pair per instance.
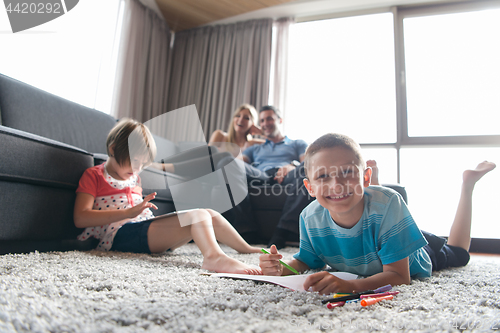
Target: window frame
{"points": [[403, 140], [400, 13]]}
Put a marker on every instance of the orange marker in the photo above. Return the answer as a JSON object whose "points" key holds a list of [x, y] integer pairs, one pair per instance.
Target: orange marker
{"points": [[371, 301]]}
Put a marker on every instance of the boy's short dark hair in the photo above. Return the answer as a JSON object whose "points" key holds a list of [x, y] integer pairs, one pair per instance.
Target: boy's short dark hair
{"points": [[130, 137], [332, 140], [277, 112]]}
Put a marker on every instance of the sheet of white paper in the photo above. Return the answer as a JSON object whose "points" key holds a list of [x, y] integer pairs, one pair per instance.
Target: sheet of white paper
{"points": [[294, 282], [170, 214]]}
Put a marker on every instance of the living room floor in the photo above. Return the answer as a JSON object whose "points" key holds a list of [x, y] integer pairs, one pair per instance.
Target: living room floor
{"points": [[494, 256]]}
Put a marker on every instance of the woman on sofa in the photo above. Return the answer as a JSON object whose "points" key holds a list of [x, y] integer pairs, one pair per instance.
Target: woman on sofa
{"points": [[238, 137], [240, 131]]}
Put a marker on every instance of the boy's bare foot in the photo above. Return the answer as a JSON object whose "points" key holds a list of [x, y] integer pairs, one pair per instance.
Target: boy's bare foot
{"points": [[373, 164], [470, 177], [224, 264]]}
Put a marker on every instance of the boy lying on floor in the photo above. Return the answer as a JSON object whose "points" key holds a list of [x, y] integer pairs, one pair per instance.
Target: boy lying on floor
{"points": [[367, 230]]}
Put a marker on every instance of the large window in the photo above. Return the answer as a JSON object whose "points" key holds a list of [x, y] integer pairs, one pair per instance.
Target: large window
{"points": [[341, 79], [71, 56], [453, 73], [433, 176], [419, 89]]}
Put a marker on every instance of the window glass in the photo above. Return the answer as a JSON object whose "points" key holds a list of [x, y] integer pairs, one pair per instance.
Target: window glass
{"points": [[341, 79], [386, 159], [433, 180], [453, 73], [70, 56]]}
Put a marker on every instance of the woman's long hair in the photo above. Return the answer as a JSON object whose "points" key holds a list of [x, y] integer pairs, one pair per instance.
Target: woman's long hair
{"points": [[231, 135]]}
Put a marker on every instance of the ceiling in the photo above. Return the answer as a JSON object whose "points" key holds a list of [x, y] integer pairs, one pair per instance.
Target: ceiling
{"points": [[186, 14]]}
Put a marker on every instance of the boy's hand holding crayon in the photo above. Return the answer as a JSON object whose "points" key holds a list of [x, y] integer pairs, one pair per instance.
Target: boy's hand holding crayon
{"points": [[322, 282], [269, 263]]}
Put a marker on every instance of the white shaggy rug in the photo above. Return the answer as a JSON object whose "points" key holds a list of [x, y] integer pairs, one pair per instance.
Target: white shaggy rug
{"points": [[120, 292]]}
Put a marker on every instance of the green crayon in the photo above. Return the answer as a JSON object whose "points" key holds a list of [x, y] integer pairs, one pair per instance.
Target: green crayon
{"points": [[283, 263]]}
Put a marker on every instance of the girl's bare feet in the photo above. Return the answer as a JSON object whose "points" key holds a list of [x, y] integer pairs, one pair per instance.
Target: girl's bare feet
{"points": [[223, 264], [251, 249], [373, 164], [470, 177]]}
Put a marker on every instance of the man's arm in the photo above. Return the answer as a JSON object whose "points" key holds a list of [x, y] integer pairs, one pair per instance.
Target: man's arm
{"points": [[282, 172], [301, 148], [248, 154]]}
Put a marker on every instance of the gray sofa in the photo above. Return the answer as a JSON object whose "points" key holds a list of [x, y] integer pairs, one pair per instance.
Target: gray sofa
{"points": [[46, 143]]}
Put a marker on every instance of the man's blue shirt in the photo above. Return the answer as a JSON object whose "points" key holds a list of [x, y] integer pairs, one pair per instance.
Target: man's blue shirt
{"points": [[274, 155]]}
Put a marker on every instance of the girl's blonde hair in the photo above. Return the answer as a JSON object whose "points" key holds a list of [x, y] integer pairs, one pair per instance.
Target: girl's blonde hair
{"points": [[130, 137], [231, 135]]}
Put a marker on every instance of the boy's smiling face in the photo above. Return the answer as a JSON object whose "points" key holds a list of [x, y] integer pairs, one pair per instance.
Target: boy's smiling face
{"points": [[337, 179]]}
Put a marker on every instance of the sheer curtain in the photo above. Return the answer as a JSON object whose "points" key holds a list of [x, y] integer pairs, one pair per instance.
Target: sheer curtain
{"points": [[143, 67], [279, 67], [217, 68]]}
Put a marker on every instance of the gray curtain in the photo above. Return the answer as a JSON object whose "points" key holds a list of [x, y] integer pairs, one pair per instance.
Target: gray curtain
{"points": [[144, 64], [217, 68]]}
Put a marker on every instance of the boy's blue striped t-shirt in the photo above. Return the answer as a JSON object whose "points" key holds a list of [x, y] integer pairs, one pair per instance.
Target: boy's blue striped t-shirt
{"points": [[385, 234]]}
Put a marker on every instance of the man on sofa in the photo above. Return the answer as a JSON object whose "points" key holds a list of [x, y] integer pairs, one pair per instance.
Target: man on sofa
{"points": [[285, 169], [273, 160], [278, 160]]}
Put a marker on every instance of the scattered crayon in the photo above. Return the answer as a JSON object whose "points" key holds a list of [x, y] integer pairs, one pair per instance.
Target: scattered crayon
{"points": [[371, 301], [379, 294], [334, 304], [356, 296], [353, 300]]}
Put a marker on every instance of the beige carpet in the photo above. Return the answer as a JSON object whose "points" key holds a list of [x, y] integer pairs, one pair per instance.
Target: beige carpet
{"points": [[118, 292]]}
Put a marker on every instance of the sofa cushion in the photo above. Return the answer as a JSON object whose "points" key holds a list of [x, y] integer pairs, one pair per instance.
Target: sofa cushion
{"points": [[38, 178], [155, 181], [34, 159], [35, 111], [267, 197], [46, 212]]}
